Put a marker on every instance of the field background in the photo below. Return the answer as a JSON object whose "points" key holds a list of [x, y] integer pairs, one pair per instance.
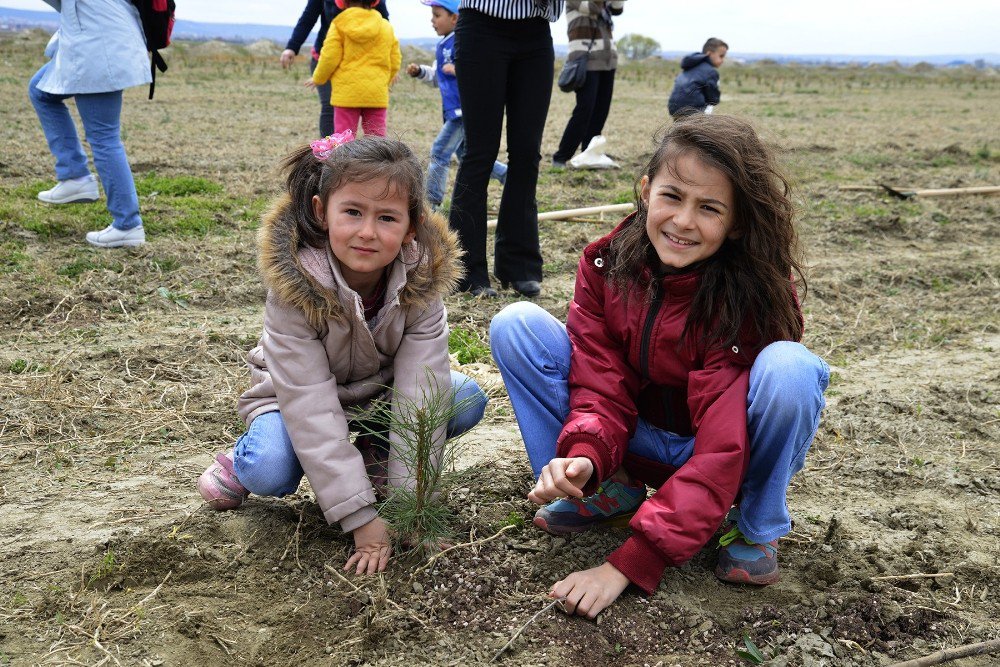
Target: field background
{"points": [[119, 372]]}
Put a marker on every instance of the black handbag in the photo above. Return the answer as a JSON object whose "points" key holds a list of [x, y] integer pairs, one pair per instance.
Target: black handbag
{"points": [[574, 71], [574, 74]]}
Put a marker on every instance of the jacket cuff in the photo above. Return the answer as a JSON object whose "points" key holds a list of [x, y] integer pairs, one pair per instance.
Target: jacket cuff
{"points": [[641, 562], [592, 448], [357, 519]]}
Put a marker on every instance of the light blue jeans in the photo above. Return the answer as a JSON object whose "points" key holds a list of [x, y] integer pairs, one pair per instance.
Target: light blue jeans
{"points": [[787, 381], [451, 141], [265, 462], [101, 116]]}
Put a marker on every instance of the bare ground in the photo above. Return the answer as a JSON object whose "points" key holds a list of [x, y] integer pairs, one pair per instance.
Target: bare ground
{"points": [[120, 372]]}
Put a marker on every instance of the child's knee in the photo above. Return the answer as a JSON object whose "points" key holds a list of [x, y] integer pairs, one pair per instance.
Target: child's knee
{"points": [[268, 475], [790, 364], [508, 327], [787, 377]]}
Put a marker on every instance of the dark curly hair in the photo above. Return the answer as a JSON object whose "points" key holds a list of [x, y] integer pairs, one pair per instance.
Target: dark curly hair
{"points": [[746, 293]]}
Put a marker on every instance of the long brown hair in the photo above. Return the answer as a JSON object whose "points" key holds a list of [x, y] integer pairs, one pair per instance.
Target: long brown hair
{"points": [[364, 159], [745, 288]]}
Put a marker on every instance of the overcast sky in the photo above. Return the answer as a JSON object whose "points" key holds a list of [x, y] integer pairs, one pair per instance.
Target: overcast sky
{"points": [[855, 27]]}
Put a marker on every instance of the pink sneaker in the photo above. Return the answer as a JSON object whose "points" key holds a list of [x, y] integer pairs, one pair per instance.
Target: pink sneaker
{"points": [[219, 486]]}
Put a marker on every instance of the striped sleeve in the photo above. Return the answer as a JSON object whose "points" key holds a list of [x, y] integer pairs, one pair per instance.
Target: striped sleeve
{"points": [[517, 9]]}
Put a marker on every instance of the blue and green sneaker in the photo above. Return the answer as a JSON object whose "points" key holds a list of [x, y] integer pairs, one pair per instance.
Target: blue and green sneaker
{"points": [[611, 507], [744, 562]]}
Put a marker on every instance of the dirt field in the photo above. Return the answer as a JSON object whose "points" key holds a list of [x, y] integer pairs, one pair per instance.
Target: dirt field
{"points": [[119, 372]]}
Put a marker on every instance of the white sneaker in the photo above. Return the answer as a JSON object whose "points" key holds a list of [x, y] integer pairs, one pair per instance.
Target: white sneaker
{"points": [[112, 237], [72, 191]]}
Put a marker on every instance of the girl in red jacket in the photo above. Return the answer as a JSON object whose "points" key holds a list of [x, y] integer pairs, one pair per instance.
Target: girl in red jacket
{"points": [[678, 368]]}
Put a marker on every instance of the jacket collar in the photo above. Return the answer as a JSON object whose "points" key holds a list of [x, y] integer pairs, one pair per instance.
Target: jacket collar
{"points": [[310, 279]]}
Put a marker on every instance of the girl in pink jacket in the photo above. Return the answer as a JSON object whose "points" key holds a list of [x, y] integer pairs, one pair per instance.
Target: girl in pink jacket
{"points": [[355, 268]]}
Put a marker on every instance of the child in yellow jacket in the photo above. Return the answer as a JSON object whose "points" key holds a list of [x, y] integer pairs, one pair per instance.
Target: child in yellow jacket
{"points": [[360, 57]]}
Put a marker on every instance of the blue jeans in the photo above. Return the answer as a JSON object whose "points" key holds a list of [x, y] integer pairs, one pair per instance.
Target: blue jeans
{"points": [[265, 461], [101, 116], [787, 381], [451, 141]]}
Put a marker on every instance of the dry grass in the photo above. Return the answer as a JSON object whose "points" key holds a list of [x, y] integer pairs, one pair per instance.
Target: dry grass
{"points": [[121, 369]]}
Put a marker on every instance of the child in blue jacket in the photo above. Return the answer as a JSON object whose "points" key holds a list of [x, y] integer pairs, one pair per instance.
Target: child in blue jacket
{"points": [[696, 88], [451, 139]]}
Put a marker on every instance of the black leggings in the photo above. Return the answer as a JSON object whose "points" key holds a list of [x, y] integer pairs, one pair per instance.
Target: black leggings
{"points": [[501, 64], [593, 102]]}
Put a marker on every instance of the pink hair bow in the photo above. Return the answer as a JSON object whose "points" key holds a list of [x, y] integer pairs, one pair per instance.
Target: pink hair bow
{"points": [[322, 148]]}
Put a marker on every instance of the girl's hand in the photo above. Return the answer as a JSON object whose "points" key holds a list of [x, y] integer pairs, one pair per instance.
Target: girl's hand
{"points": [[562, 477], [371, 548], [448, 69], [589, 592], [309, 83], [287, 56], [413, 69]]}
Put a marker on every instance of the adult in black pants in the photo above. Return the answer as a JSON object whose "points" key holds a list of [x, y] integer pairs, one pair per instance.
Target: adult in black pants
{"points": [[588, 25], [503, 60]]}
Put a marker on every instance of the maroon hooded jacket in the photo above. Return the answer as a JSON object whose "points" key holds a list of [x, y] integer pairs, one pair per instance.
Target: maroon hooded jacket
{"points": [[630, 359]]}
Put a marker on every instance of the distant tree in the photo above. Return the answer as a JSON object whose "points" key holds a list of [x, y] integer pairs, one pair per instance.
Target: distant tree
{"points": [[637, 47]]}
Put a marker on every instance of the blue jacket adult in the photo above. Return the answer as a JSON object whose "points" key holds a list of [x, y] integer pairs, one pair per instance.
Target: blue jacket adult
{"points": [[447, 83], [324, 11], [99, 48], [696, 87]]}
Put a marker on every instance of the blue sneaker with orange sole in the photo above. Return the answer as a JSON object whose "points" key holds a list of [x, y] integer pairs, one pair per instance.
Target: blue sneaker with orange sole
{"points": [[611, 507], [744, 562]]}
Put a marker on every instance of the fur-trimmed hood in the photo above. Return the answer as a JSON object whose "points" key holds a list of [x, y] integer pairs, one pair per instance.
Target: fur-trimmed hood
{"points": [[306, 278]]}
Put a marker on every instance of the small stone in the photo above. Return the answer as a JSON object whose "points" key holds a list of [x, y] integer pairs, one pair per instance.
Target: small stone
{"points": [[705, 627], [418, 587], [557, 544]]}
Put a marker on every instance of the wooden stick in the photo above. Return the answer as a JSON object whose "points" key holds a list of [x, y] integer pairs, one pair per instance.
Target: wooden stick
{"points": [[898, 577], [577, 212], [940, 192], [949, 654], [952, 192]]}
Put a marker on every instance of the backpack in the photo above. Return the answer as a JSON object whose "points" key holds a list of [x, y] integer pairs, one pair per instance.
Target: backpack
{"points": [[157, 17]]}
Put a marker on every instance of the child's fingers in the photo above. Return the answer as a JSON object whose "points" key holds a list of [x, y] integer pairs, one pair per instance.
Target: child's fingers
{"points": [[383, 558], [587, 604], [355, 557]]}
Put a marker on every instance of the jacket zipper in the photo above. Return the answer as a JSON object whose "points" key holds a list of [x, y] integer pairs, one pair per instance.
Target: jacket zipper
{"points": [[647, 329]]}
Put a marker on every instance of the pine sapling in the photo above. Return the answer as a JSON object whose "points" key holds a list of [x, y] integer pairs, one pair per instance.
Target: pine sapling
{"points": [[414, 508]]}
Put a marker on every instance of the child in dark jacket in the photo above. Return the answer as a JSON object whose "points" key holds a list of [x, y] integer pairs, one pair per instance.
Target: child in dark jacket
{"points": [[451, 139], [678, 368], [696, 88]]}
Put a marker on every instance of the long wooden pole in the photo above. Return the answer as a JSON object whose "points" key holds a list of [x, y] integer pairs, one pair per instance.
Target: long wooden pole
{"points": [[949, 654], [577, 212]]}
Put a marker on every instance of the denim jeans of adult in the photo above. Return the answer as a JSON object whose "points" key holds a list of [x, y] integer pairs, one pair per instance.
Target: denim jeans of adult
{"points": [[325, 110], [451, 141], [787, 382], [501, 65], [593, 102], [101, 116], [265, 461]]}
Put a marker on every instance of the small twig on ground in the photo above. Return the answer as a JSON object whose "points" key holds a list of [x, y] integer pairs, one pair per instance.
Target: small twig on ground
{"points": [[949, 654], [357, 589], [430, 561], [531, 620], [900, 577], [295, 539]]}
